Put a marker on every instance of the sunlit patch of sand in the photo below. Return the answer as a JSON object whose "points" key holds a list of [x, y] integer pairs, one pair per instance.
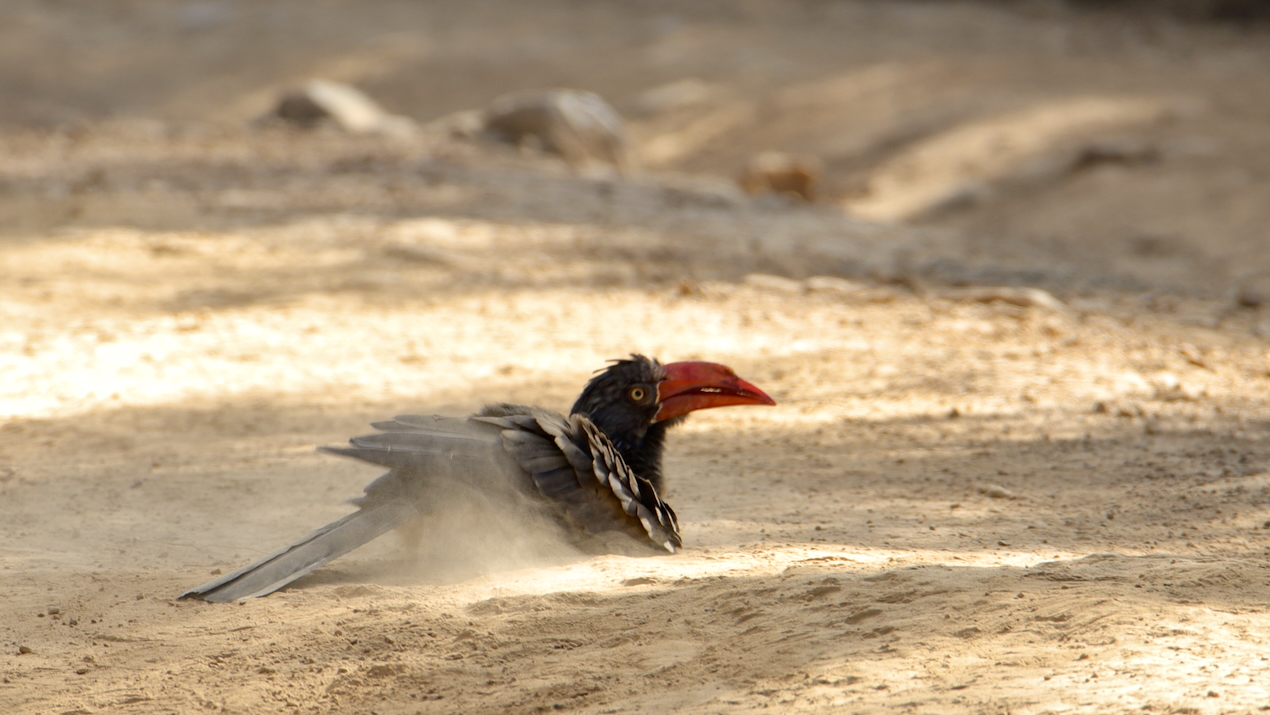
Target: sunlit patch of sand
{"points": [[426, 351], [610, 573]]}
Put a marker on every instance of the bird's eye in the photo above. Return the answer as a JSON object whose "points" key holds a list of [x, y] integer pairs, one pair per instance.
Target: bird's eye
{"points": [[638, 394]]}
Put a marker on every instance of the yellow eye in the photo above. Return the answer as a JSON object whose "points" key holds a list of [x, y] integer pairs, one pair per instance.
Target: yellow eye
{"points": [[638, 393]]}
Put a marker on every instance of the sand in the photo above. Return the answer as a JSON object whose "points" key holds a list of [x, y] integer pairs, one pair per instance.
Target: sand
{"points": [[968, 500]]}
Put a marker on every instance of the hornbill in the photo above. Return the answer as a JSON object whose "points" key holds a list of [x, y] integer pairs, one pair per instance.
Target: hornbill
{"points": [[595, 472]]}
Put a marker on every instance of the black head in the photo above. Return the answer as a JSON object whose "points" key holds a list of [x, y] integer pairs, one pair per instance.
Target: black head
{"points": [[622, 401], [622, 398]]}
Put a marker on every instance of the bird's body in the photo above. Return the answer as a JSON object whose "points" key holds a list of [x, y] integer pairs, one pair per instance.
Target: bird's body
{"points": [[595, 473]]}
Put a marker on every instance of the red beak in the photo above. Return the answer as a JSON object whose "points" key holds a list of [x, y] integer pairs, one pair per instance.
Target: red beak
{"points": [[698, 385]]}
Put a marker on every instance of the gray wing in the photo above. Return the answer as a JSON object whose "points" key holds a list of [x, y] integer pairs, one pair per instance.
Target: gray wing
{"points": [[502, 456], [426, 457], [285, 565], [427, 452], [574, 464]]}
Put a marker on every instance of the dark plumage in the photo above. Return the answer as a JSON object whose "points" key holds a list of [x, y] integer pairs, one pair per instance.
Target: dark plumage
{"points": [[631, 425], [595, 472]]}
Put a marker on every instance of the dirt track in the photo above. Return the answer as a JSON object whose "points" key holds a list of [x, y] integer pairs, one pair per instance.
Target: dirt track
{"points": [[966, 501]]}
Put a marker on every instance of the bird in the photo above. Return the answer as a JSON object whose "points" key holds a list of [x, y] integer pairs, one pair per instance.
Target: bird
{"points": [[596, 473]]}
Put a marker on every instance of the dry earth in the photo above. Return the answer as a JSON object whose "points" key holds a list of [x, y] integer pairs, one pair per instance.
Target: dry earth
{"points": [[970, 499]]}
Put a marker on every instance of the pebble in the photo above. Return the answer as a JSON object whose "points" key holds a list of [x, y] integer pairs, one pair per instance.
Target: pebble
{"points": [[996, 491], [579, 126], [347, 107]]}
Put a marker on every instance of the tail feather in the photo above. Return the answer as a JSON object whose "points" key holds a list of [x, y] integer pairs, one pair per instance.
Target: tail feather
{"points": [[320, 547]]}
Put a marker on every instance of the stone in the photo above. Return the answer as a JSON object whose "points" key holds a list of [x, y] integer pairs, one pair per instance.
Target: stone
{"points": [[796, 177], [579, 126], [319, 101], [1021, 297]]}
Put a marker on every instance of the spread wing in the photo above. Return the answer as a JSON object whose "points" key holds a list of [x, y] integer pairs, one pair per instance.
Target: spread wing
{"points": [[507, 456], [573, 463]]}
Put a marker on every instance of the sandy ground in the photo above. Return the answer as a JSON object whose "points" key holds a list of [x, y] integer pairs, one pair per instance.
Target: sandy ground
{"points": [[968, 499]]}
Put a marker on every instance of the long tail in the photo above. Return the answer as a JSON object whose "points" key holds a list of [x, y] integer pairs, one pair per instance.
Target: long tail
{"points": [[322, 546]]}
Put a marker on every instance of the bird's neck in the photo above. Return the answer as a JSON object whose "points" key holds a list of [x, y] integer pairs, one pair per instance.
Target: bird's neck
{"points": [[643, 453]]}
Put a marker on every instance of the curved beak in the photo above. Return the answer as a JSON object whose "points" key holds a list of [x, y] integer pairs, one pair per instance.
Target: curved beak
{"points": [[695, 385]]}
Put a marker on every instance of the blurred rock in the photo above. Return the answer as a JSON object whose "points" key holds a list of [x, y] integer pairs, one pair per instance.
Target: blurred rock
{"points": [[995, 491], [319, 101], [1022, 297], [579, 126], [1122, 150], [1251, 293], [784, 174]]}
